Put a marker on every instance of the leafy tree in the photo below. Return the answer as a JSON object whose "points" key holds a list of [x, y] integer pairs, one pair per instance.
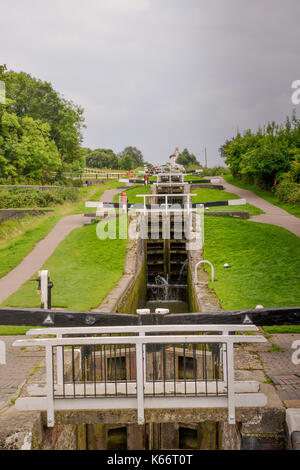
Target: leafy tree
{"points": [[267, 158], [187, 159], [28, 96], [102, 158], [135, 154], [26, 149], [127, 162]]}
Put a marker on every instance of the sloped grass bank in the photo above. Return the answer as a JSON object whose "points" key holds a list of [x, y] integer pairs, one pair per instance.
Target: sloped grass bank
{"points": [[132, 193], [83, 268], [264, 263], [19, 237]]}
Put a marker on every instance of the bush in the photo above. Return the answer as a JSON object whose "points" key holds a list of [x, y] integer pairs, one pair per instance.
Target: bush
{"points": [[21, 198], [288, 191]]}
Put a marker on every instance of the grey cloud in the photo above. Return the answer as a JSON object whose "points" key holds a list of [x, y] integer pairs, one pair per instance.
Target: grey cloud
{"points": [[160, 73]]}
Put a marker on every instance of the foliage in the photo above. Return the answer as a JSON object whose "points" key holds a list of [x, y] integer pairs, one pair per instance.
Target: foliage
{"points": [[268, 158], [135, 154], [129, 159], [40, 131], [18, 198], [101, 158], [188, 160], [127, 162]]}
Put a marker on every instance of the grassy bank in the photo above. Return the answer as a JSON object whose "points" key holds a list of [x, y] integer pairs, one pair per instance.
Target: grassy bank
{"points": [[211, 194], [132, 193], [18, 237], [267, 195], [264, 263], [83, 268]]}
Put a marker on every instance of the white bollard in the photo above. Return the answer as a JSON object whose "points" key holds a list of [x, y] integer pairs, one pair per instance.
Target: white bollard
{"points": [[44, 277], [162, 311]]}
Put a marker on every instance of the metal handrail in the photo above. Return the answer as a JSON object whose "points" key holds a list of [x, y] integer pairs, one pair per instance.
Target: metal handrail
{"points": [[212, 270]]}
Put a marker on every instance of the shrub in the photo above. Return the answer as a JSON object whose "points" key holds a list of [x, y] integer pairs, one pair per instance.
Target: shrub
{"points": [[288, 191], [20, 198]]}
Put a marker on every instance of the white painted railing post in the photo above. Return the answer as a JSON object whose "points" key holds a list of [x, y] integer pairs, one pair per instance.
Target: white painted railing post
{"points": [[224, 359], [49, 387], [59, 363], [230, 383], [140, 383]]}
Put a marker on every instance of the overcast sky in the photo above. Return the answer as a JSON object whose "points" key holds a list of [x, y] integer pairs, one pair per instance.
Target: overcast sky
{"points": [[157, 74]]}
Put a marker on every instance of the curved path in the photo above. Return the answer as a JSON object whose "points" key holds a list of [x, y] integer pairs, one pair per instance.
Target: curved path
{"points": [[273, 215], [43, 249]]}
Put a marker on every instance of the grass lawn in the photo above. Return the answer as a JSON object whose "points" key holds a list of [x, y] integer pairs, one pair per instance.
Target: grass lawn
{"points": [[195, 177], [18, 237], [273, 330], [264, 263], [132, 192], [267, 195], [83, 268], [211, 194]]}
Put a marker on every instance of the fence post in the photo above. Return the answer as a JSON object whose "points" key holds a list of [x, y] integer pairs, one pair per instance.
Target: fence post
{"points": [[140, 383], [230, 383], [50, 397], [59, 362]]}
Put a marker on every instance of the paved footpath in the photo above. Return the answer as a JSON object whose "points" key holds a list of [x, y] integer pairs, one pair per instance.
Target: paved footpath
{"points": [[278, 365], [19, 365], [273, 215]]}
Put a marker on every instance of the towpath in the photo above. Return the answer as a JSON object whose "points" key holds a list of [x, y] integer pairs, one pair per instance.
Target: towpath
{"points": [[273, 215], [43, 249]]}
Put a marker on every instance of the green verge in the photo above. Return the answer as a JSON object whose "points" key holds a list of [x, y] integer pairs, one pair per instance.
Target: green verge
{"points": [[132, 193], [267, 195], [19, 237], [272, 330], [83, 268], [264, 263], [211, 194]]}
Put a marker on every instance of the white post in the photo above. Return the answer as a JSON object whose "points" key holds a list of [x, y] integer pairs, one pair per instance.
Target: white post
{"points": [[230, 383], [44, 277], [49, 386], [59, 362], [224, 359], [140, 383]]}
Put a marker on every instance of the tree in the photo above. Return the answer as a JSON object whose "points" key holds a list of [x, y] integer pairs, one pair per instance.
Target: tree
{"points": [[127, 163], [102, 158], [26, 149], [187, 159], [266, 157], [28, 96], [135, 154]]}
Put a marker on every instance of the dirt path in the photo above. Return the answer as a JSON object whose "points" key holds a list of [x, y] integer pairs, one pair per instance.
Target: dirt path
{"points": [[41, 252], [272, 214]]}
